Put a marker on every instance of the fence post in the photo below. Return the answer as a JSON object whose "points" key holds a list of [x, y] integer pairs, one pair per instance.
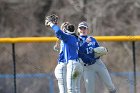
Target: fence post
{"points": [[134, 66], [51, 83], [14, 66]]}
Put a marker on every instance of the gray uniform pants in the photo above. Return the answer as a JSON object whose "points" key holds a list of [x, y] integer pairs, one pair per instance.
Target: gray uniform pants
{"points": [[90, 74]]}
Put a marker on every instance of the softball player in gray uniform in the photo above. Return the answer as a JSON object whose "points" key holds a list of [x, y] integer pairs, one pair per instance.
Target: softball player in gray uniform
{"points": [[61, 68], [60, 71], [70, 49], [92, 65]]}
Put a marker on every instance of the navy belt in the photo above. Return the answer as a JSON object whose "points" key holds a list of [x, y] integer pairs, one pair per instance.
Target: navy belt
{"points": [[90, 63]]}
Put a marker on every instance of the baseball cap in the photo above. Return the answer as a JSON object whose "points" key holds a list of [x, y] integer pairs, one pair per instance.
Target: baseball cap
{"points": [[83, 24]]}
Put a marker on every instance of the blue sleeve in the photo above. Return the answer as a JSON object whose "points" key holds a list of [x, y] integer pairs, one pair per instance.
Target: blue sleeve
{"points": [[96, 43], [59, 33]]}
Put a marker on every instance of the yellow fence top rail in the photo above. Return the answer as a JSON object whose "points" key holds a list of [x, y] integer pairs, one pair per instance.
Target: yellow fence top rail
{"points": [[117, 38], [54, 39]]}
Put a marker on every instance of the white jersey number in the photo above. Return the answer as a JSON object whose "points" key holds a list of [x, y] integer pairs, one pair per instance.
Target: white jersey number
{"points": [[89, 50]]}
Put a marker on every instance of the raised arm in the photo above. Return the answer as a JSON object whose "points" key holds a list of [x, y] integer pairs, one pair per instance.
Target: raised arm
{"points": [[52, 22]]}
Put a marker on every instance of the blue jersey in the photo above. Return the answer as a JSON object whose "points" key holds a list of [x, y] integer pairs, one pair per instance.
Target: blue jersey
{"points": [[70, 48], [86, 49], [61, 53]]}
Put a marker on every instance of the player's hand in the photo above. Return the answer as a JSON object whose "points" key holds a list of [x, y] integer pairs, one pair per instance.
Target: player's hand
{"points": [[56, 47], [88, 40], [51, 19]]}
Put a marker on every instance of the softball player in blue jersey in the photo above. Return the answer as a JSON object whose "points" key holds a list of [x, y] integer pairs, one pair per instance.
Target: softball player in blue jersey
{"points": [[60, 71], [92, 65], [70, 50], [61, 68]]}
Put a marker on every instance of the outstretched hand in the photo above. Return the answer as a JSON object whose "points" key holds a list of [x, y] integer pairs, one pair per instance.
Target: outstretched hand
{"points": [[51, 19]]}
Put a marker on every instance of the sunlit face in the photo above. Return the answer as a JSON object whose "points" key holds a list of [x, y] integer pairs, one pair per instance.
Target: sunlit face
{"points": [[83, 30]]}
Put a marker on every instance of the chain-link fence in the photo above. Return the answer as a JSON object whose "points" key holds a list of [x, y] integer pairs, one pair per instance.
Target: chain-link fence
{"points": [[35, 64]]}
